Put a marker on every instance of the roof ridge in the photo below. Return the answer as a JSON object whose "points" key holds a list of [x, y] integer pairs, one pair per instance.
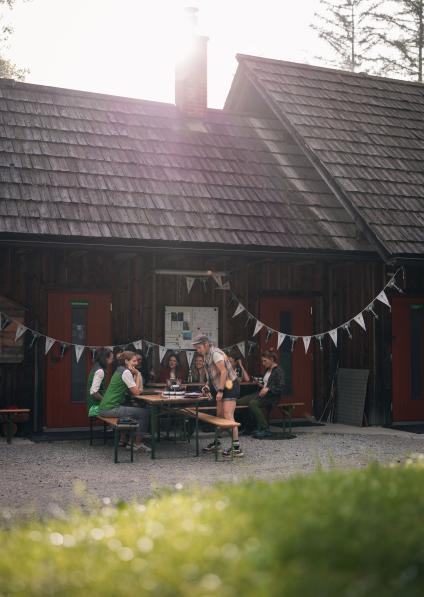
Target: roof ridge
{"points": [[316, 67]]}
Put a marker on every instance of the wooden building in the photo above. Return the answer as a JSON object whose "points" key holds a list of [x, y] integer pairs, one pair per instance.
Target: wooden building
{"points": [[306, 190]]}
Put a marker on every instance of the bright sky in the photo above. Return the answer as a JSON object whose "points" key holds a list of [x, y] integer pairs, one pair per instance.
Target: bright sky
{"points": [[128, 47]]}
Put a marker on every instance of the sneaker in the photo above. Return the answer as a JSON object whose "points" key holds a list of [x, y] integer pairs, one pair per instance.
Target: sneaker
{"points": [[211, 447], [262, 434], [142, 447], [237, 453]]}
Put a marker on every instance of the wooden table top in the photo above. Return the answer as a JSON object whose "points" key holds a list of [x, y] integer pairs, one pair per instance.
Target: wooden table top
{"points": [[158, 399], [14, 410], [195, 383]]}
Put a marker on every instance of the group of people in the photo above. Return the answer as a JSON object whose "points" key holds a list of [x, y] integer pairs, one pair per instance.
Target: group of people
{"points": [[219, 372]]}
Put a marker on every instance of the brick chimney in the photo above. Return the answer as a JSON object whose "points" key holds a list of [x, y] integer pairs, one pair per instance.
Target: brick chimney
{"points": [[191, 85]]}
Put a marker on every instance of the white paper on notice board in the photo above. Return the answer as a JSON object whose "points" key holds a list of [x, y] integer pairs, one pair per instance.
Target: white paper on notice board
{"points": [[183, 323]]}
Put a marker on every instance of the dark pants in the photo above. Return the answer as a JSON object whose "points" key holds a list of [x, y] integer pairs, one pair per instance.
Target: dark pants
{"points": [[255, 404]]}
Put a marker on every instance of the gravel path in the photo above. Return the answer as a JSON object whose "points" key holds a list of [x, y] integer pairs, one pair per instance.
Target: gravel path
{"points": [[41, 476]]}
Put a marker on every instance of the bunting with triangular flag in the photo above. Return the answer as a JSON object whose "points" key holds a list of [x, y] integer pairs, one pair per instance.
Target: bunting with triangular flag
{"points": [[306, 342], [78, 351], [281, 337], [360, 320], [242, 348], [189, 282], [138, 344], [333, 335], [162, 353], [189, 355], [20, 331], [49, 344], [239, 310], [258, 326]]}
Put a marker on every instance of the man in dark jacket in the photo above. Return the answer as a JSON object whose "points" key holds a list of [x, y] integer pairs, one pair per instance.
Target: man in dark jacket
{"points": [[269, 394]]}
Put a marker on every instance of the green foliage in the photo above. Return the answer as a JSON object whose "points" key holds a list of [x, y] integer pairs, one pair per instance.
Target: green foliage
{"points": [[353, 534], [401, 33], [8, 69], [347, 27]]}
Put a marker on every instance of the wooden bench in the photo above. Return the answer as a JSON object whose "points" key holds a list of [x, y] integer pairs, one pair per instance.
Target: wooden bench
{"points": [[9, 412], [287, 409], [117, 427], [217, 422]]}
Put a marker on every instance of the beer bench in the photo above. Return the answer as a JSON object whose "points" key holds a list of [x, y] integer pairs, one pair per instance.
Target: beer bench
{"points": [[9, 413], [217, 422], [286, 409], [117, 427]]}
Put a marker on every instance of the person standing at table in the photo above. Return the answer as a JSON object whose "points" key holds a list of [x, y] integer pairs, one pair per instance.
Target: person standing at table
{"points": [[96, 382], [112, 404], [269, 394], [225, 386]]}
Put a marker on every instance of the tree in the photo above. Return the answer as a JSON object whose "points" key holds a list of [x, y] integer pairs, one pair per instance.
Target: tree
{"points": [[347, 26], [402, 33], [8, 69]]}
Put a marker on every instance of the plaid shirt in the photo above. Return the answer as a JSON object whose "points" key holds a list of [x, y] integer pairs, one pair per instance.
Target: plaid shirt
{"points": [[213, 372]]}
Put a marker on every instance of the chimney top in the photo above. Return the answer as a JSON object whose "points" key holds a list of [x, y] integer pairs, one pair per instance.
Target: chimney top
{"points": [[191, 71]]}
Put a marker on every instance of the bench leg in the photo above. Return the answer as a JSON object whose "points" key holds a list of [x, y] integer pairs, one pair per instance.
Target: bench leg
{"points": [[9, 427], [116, 443], [216, 444], [132, 433], [197, 430], [104, 433]]}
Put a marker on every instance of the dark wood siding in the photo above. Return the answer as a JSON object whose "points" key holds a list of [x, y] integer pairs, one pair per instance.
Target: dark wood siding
{"points": [[339, 290]]}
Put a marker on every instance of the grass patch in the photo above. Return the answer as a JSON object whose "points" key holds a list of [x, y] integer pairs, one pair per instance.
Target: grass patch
{"points": [[353, 534]]}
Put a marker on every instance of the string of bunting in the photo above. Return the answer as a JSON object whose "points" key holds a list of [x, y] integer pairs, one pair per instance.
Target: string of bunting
{"points": [[64, 346], [333, 333]]}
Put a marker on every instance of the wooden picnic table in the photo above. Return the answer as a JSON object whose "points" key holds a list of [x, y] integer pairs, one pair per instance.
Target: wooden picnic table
{"points": [[9, 412], [162, 404]]}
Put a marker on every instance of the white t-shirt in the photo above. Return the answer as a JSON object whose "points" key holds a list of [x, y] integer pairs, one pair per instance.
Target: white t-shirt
{"points": [[266, 377], [97, 380], [128, 379]]}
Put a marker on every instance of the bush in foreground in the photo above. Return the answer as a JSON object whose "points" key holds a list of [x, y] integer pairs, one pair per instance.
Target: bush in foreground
{"points": [[352, 534]]}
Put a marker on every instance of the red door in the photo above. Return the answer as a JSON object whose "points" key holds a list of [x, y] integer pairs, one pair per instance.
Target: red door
{"points": [[408, 359], [292, 316], [82, 318]]}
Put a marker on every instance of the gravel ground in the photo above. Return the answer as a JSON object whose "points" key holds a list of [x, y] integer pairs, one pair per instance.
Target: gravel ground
{"points": [[41, 476]]}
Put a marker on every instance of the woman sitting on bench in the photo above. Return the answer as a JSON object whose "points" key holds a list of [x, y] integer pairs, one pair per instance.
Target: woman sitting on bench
{"points": [[96, 380], [268, 395], [112, 402]]}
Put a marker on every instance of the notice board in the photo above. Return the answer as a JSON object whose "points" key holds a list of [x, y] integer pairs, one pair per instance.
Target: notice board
{"points": [[183, 323]]}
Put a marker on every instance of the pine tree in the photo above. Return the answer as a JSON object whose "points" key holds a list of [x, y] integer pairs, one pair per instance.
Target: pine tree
{"points": [[347, 26], [402, 32], [8, 69]]}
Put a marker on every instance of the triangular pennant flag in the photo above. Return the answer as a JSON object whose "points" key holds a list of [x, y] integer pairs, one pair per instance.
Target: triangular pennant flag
{"points": [[333, 334], [226, 286], [269, 333], [109, 348], [93, 351], [251, 346], [239, 310], [383, 298], [162, 353], [360, 320], [138, 344], [20, 331], [34, 338], [63, 349], [259, 325], [281, 337], [189, 355], [5, 321], [242, 348], [148, 348], [189, 282], [49, 344], [218, 279], [306, 342], [78, 351]]}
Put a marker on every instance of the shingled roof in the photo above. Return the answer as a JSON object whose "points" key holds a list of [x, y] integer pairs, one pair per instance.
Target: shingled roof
{"points": [[78, 165], [364, 133]]}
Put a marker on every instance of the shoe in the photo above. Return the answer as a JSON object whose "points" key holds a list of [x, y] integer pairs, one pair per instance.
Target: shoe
{"points": [[237, 453], [262, 434], [142, 447], [211, 447]]}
